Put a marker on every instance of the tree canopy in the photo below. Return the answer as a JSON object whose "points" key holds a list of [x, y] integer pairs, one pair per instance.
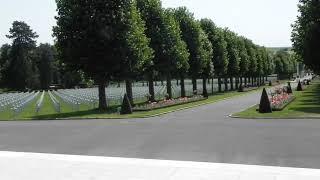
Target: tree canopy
{"points": [[98, 37], [306, 34]]}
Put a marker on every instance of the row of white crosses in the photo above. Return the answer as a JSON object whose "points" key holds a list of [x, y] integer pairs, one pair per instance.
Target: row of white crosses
{"points": [[68, 100], [82, 96], [55, 102], [16, 101], [21, 103], [39, 103]]}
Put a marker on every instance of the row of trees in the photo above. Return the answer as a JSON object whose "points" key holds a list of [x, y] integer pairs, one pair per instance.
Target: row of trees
{"points": [[25, 65], [285, 64], [128, 40]]}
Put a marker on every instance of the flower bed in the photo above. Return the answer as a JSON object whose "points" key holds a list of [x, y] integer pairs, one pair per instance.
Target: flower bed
{"points": [[280, 99], [168, 103]]}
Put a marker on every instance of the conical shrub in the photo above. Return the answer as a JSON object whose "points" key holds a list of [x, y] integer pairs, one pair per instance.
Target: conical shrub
{"points": [[289, 89], [126, 107], [270, 83], [265, 106], [299, 87]]}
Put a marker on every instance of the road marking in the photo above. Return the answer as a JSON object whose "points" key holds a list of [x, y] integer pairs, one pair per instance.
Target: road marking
{"points": [[38, 166]]}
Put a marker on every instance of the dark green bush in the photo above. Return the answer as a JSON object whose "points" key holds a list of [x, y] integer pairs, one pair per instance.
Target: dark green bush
{"points": [[299, 87], [289, 89], [265, 106], [126, 107], [240, 88]]}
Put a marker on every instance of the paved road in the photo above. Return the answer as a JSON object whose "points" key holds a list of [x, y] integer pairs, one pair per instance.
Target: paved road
{"points": [[204, 133]]}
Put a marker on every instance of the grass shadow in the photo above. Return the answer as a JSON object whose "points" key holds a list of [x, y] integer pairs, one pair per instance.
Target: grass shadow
{"points": [[84, 113], [309, 102]]}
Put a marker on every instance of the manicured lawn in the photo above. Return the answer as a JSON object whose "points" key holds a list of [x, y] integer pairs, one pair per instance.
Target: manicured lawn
{"points": [[86, 112], [306, 105]]}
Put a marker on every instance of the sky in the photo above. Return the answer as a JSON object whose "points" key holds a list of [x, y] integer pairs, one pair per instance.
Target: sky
{"points": [[266, 22]]}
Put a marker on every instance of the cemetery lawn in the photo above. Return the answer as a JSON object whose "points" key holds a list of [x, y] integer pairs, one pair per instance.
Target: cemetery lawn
{"points": [[306, 105], [85, 112]]}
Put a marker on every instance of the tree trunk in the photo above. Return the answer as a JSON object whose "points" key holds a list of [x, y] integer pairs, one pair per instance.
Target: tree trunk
{"points": [[252, 81], [162, 83], [183, 89], [237, 83], [169, 86], [219, 84], [204, 87], [226, 84], [102, 95], [241, 82], [177, 82], [129, 91], [194, 86], [212, 86], [245, 81], [231, 82], [151, 90]]}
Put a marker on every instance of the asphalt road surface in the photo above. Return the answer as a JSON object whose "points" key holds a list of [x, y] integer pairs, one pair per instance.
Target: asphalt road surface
{"points": [[204, 133]]}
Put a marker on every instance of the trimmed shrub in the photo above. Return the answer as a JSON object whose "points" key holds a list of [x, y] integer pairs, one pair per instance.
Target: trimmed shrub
{"points": [[270, 83], [289, 89], [126, 107], [299, 87], [265, 106], [240, 88]]}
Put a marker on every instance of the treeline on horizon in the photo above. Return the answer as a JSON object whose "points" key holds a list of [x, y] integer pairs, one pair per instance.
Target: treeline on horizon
{"points": [[103, 41]]}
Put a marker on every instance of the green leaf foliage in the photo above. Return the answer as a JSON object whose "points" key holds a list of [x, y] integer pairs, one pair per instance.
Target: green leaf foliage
{"points": [[306, 34]]}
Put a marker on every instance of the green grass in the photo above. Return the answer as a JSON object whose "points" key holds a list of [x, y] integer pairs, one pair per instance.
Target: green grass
{"points": [[5, 90], [306, 105], [86, 112]]}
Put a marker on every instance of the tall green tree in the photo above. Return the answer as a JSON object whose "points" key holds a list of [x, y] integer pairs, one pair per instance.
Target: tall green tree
{"points": [[253, 63], [206, 56], [4, 63], [219, 46], [140, 54], [284, 65], [170, 50], [96, 37], [45, 57], [196, 40], [306, 34], [22, 69], [233, 56], [244, 59], [260, 67]]}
